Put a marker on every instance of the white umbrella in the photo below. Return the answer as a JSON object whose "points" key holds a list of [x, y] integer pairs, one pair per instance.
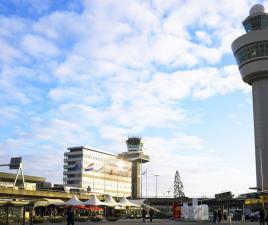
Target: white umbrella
{"points": [[110, 201], [94, 201], [125, 202], [74, 201]]}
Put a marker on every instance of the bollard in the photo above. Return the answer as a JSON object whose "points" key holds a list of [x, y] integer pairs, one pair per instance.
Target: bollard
{"points": [[229, 218], [243, 219]]}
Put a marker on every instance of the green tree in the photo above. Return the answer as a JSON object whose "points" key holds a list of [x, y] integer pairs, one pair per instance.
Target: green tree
{"points": [[178, 186]]}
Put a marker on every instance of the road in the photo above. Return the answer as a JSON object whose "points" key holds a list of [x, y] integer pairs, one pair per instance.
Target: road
{"points": [[155, 221]]}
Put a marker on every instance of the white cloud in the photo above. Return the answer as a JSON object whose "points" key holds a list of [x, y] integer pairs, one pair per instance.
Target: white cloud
{"points": [[38, 46]]}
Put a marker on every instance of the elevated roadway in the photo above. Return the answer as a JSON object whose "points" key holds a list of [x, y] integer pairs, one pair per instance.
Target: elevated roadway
{"points": [[31, 194]]}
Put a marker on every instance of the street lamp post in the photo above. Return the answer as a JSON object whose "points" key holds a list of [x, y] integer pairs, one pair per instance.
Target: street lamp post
{"points": [[156, 175], [168, 192]]}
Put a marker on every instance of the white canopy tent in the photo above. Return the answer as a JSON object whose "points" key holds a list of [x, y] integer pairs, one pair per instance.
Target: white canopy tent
{"points": [[94, 201], [126, 203], [110, 201], [74, 201]]}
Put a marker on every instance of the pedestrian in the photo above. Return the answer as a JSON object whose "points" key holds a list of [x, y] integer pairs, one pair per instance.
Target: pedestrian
{"points": [[215, 216], [143, 214], [219, 216], [70, 216], [262, 217], [151, 213]]}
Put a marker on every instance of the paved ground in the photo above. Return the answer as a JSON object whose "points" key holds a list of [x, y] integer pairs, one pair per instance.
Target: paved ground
{"points": [[156, 221]]}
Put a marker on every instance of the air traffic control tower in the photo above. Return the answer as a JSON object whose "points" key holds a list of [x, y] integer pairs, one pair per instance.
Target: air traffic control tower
{"points": [[251, 54], [137, 156]]}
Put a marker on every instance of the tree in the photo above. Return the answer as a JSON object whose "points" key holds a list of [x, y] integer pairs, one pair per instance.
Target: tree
{"points": [[178, 186]]}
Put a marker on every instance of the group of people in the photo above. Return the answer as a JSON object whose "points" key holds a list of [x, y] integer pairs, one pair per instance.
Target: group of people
{"points": [[70, 215], [217, 216], [144, 213]]}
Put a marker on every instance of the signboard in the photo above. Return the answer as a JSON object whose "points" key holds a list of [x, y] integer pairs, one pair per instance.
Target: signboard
{"points": [[15, 163], [254, 201]]}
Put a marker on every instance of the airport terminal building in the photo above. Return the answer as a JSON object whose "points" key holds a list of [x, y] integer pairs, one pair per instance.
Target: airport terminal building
{"points": [[97, 171]]}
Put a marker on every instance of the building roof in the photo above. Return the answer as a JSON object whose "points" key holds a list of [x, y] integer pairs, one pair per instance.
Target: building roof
{"points": [[94, 150], [11, 177]]}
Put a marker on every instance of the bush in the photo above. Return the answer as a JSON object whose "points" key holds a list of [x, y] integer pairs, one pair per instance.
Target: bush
{"points": [[57, 220]]}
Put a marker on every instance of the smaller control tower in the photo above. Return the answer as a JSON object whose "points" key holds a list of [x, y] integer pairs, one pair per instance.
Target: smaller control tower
{"points": [[137, 156]]}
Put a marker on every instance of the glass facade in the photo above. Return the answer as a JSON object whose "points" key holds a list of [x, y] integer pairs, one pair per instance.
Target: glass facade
{"points": [[251, 51], [256, 23]]}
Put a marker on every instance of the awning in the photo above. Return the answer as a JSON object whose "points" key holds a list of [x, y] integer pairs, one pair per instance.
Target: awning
{"points": [[110, 201], [94, 201], [74, 201], [126, 203]]}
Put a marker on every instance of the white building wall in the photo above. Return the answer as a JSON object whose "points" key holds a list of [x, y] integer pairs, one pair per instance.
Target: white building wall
{"points": [[109, 175]]}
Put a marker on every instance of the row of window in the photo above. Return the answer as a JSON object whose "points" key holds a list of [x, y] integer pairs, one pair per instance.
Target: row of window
{"points": [[74, 176], [101, 184], [72, 182], [97, 158], [107, 161], [256, 23], [251, 51]]}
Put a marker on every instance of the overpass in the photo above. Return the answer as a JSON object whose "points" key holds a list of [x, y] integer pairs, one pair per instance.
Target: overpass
{"points": [[6, 192]]}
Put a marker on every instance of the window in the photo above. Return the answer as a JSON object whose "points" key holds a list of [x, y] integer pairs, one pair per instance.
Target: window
{"points": [[257, 22], [251, 51]]}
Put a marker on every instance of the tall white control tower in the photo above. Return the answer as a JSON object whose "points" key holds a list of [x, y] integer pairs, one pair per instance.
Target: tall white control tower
{"points": [[251, 54]]}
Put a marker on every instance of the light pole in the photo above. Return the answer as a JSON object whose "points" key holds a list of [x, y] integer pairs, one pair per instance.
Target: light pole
{"points": [[168, 191], [156, 175]]}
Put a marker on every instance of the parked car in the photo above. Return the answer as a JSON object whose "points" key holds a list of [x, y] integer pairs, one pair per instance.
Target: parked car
{"points": [[254, 216]]}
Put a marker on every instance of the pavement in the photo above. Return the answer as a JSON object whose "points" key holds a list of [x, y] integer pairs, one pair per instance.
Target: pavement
{"points": [[155, 221]]}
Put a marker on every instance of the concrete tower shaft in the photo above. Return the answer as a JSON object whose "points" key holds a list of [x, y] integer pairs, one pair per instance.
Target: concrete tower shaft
{"points": [[251, 54]]}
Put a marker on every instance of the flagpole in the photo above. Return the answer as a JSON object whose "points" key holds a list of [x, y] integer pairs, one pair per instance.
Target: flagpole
{"points": [[141, 178], [93, 180], [146, 184], [104, 179]]}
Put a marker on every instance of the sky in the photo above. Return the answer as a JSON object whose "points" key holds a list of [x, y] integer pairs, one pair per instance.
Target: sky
{"points": [[93, 72]]}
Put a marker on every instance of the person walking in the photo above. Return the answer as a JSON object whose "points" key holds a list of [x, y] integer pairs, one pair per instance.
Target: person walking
{"points": [[219, 216], [151, 214], [262, 217], [70, 216], [143, 214], [215, 216]]}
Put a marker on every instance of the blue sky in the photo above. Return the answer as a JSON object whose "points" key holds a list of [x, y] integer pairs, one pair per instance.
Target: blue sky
{"points": [[94, 72]]}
